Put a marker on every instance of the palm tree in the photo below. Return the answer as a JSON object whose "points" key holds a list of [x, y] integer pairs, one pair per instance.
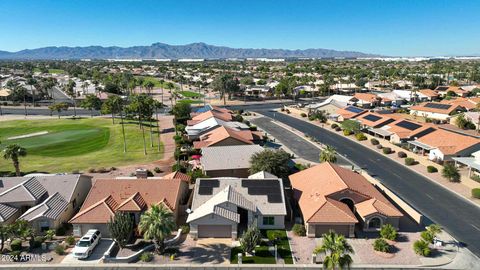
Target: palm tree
{"points": [[328, 154], [13, 152], [451, 173], [336, 250], [156, 224]]}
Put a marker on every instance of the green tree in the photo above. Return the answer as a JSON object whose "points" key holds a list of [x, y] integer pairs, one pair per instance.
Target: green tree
{"points": [[421, 247], [58, 107], [450, 172], [351, 125], [121, 227], [181, 111], [226, 85], [381, 245], [149, 85], [156, 224], [250, 239], [14, 152], [142, 106], [328, 154], [275, 162], [91, 102], [337, 251], [114, 105]]}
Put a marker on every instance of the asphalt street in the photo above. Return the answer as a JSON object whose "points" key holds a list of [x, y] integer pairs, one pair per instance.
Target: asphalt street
{"points": [[455, 214], [295, 143]]}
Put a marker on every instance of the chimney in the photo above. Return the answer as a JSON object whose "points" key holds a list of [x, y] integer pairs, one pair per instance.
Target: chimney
{"points": [[141, 174]]}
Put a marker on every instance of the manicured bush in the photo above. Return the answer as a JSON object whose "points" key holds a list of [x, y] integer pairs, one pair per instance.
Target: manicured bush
{"points": [[427, 236], [37, 242], [409, 161], [185, 228], [347, 132], [49, 234], [421, 248], [303, 114], [388, 232], [60, 250], [334, 126], [432, 169], [16, 245], [311, 117], [387, 150], [401, 154], [60, 231], [379, 146], [299, 230], [476, 193], [146, 257], [287, 111], [70, 240], [253, 128], [374, 141], [450, 172], [157, 170], [360, 136], [338, 129], [381, 245]]}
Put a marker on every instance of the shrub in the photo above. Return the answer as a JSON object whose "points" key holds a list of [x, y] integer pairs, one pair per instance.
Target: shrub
{"points": [[250, 239], [381, 245], [360, 136], [409, 161], [432, 169], [427, 236], [421, 248], [70, 240], [102, 170], [146, 257], [379, 146], [338, 129], [185, 228], [16, 245], [60, 231], [91, 170], [157, 170], [387, 150], [303, 114], [388, 232], [347, 132], [299, 230], [311, 117], [334, 126], [287, 111], [402, 154], [15, 255], [37, 242], [374, 141], [476, 193], [60, 250], [49, 234], [451, 173], [179, 167], [253, 128], [475, 177]]}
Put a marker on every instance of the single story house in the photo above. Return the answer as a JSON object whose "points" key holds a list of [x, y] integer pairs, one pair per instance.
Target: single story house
{"points": [[132, 196], [443, 91], [228, 161], [403, 130], [436, 110], [225, 207], [45, 201], [223, 136], [367, 100], [334, 198], [443, 145]]}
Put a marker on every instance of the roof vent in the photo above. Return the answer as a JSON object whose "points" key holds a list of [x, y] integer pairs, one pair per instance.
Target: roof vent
{"points": [[141, 174]]}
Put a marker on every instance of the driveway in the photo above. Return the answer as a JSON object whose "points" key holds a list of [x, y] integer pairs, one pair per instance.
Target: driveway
{"points": [[95, 258], [458, 216], [212, 250]]}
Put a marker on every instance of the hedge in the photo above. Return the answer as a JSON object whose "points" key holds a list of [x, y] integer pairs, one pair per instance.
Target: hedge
{"points": [[347, 132], [299, 230], [387, 150], [476, 193], [432, 169], [374, 141], [409, 161], [360, 136]]}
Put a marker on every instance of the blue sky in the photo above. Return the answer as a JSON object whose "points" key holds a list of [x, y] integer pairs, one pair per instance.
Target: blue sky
{"points": [[389, 27]]}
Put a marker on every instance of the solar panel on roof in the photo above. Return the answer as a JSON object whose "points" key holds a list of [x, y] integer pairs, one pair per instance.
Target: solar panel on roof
{"points": [[372, 117], [424, 132], [438, 106], [209, 183], [269, 188], [353, 109], [408, 125], [442, 88]]}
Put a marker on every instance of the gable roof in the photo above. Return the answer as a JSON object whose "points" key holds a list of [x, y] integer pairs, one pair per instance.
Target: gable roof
{"points": [[222, 115], [178, 175], [426, 107], [27, 191], [374, 206], [315, 185], [332, 211], [222, 133], [467, 103], [7, 211], [449, 143], [374, 119], [367, 97], [429, 93], [399, 128], [109, 195], [228, 157], [350, 112], [51, 208]]}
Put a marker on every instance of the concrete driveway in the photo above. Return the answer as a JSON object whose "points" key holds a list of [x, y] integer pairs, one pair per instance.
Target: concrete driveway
{"points": [[213, 250], [95, 258]]}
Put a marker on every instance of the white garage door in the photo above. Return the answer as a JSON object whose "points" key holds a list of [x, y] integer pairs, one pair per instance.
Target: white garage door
{"points": [[218, 231]]}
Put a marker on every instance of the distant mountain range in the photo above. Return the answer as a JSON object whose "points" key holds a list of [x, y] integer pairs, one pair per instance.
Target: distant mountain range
{"points": [[166, 51]]}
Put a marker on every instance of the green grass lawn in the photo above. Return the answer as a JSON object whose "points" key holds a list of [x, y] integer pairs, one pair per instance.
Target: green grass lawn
{"points": [[262, 254], [155, 81], [51, 71], [190, 94], [189, 101], [75, 144]]}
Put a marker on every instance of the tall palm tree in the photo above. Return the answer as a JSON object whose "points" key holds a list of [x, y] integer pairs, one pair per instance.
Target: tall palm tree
{"points": [[328, 154], [14, 152], [336, 250], [156, 224]]}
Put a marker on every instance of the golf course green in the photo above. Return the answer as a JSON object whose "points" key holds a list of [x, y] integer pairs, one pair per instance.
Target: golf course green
{"points": [[66, 145]]}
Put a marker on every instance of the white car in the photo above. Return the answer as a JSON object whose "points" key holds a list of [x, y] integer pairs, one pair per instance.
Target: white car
{"points": [[84, 247]]}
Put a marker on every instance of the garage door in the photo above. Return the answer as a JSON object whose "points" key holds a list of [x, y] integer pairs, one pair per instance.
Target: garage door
{"points": [[218, 231], [340, 229]]}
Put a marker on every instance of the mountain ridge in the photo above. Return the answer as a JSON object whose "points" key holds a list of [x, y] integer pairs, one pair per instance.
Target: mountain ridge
{"points": [[160, 50]]}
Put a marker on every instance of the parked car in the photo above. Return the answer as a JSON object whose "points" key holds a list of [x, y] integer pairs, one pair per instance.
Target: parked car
{"points": [[84, 247]]}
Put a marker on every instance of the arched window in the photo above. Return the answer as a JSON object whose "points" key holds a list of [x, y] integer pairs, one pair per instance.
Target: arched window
{"points": [[374, 223]]}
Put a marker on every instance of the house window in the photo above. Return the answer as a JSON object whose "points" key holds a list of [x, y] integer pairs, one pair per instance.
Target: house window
{"points": [[268, 221], [44, 226]]}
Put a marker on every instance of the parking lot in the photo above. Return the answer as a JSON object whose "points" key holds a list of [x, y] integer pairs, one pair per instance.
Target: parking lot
{"points": [[96, 256]]}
